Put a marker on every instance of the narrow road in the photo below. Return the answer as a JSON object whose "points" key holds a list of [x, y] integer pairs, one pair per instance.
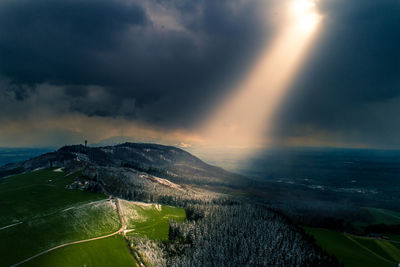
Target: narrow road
{"points": [[370, 237], [67, 244], [121, 230], [121, 218], [11, 225]]}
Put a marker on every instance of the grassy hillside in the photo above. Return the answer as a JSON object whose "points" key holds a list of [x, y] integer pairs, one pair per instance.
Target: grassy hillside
{"points": [[356, 251], [37, 212], [150, 220], [393, 237], [384, 216], [38, 193], [111, 251], [378, 216]]}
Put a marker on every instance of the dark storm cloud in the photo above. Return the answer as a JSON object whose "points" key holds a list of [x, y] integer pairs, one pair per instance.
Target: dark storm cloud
{"points": [[55, 41], [156, 61], [350, 86]]}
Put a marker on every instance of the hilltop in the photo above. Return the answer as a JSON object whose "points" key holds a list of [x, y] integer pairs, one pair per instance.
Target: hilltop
{"points": [[166, 162]]}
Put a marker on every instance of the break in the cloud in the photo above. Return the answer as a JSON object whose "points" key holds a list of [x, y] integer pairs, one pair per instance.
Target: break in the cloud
{"points": [[99, 68], [348, 93]]}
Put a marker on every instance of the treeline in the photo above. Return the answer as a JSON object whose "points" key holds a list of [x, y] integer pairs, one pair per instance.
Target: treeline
{"points": [[240, 235], [232, 235], [382, 229], [133, 185], [186, 175], [322, 214]]}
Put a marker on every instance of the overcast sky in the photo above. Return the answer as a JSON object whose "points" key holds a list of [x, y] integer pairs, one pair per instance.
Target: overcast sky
{"points": [[153, 70]]}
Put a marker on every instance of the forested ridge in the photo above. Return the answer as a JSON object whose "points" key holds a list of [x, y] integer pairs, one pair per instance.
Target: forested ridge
{"points": [[233, 233]]}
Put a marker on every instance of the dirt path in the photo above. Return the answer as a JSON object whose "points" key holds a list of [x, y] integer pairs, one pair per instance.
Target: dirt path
{"points": [[67, 244], [121, 230], [11, 225], [121, 218]]}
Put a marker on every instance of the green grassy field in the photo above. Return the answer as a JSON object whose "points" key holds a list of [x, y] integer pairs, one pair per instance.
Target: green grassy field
{"points": [[150, 220], [384, 216], [393, 237], [33, 194], [356, 251], [378, 216], [111, 251], [37, 214]]}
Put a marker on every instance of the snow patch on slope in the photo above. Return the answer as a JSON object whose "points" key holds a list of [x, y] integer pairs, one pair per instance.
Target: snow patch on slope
{"points": [[168, 183]]}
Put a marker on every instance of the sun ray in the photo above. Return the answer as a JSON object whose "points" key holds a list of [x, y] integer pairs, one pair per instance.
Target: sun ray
{"points": [[243, 118]]}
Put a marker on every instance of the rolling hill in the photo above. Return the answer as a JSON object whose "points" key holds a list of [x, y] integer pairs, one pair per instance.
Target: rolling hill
{"points": [[161, 161]]}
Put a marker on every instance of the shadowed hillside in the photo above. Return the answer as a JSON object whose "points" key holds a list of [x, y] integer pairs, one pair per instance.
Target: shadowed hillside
{"points": [[161, 161]]}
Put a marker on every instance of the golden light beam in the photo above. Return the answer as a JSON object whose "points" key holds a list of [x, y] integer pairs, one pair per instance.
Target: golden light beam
{"points": [[243, 118]]}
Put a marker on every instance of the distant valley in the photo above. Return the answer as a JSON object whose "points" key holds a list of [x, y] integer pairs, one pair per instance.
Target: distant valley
{"points": [[11, 155]]}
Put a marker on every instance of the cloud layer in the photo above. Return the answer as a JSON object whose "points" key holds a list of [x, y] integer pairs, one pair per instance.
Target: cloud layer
{"points": [[162, 65], [160, 62]]}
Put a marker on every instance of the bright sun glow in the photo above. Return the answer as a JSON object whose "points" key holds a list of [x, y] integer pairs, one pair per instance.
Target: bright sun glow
{"points": [[305, 13]]}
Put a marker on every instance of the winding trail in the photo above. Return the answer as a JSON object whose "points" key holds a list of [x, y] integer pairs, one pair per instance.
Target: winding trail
{"points": [[11, 225], [121, 230]]}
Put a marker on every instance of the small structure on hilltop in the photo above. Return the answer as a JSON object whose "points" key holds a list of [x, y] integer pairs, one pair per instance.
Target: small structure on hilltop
{"points": [[85, 143]]}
